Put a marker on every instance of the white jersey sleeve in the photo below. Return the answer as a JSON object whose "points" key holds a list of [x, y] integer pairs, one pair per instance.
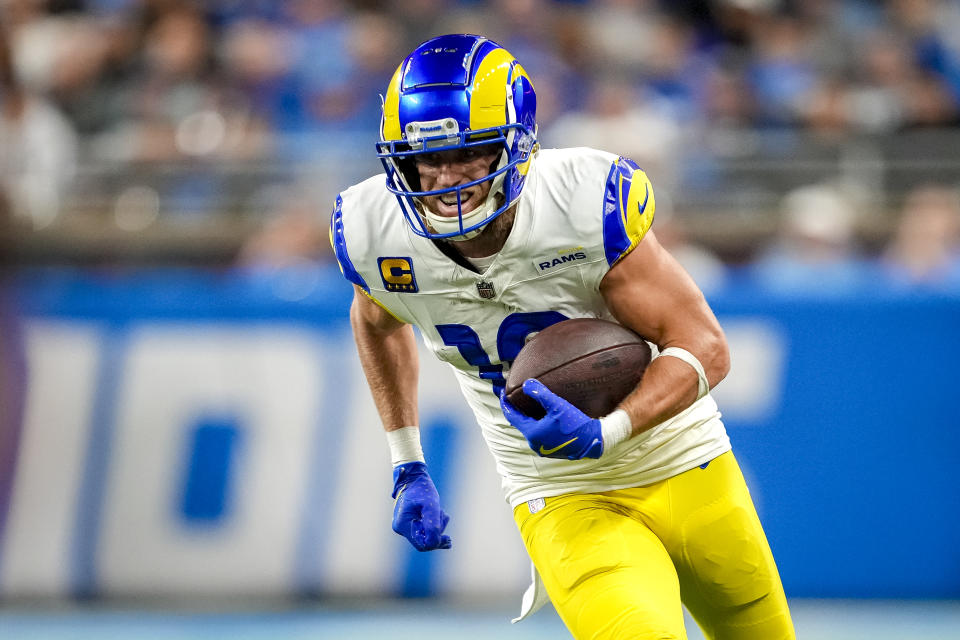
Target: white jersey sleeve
{"points": [[582, 211]]}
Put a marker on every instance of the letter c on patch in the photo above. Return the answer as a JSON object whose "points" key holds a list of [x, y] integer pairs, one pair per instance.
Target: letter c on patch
{"points": [[396, 271], [397, 274]]}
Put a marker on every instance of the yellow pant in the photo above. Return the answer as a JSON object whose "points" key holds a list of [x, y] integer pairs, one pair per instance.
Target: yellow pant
{"points": [[617, 564]]}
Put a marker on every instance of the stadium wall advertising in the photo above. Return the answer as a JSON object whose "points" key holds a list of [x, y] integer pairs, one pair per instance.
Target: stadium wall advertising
{"points": [[188, 434]]}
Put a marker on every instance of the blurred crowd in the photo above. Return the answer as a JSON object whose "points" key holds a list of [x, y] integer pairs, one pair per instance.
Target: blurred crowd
{"points": [[152, 111]]}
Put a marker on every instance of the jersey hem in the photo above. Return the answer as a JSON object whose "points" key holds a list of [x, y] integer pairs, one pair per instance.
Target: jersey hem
{"points": [[551, 490]]}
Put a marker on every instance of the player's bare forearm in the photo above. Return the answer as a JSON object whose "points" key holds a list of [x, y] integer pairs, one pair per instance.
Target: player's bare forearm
{"points": [[650, 292], [388, 355], [665, 391]]}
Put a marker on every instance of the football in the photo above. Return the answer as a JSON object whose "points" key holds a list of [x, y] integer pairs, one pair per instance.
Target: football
{"points": [[591, 363]]}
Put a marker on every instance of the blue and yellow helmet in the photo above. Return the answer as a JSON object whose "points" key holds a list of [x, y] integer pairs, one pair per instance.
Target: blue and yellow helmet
{"points": [[457, 91]]}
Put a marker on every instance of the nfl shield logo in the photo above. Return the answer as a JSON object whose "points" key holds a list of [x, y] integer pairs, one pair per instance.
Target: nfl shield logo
{"points": [[485, 289]]}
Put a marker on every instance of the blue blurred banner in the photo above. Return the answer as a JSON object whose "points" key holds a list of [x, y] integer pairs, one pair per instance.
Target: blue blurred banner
{"points": [[856, 465], [210, 432]]}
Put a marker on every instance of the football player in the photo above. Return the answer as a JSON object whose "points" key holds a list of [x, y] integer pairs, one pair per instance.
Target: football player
{"points": [[478, 237]]}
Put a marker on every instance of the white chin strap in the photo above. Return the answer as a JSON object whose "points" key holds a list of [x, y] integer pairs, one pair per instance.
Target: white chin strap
{"points": [[444, 224]]}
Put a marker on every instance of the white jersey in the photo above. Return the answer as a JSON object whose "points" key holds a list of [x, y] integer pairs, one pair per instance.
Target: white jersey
{"points": [[581, 211]]}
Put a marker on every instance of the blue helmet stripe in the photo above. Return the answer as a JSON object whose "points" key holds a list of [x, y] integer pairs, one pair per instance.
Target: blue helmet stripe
{"points": [[434, 64], [436, 104], [340, 247]]}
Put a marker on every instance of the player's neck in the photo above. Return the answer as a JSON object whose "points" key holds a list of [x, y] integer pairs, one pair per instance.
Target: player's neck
{"points": [[490, 240]]}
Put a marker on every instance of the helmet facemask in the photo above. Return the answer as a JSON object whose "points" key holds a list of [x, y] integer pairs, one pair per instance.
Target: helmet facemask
{"points": [[403, 179]]}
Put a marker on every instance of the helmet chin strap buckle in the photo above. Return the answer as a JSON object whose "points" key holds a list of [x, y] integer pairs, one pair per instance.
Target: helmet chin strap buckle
{"points": [[415, 132]]}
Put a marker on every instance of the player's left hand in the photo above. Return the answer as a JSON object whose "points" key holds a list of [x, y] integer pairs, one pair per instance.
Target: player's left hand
{"points": [[417, 515], [564, 432]]}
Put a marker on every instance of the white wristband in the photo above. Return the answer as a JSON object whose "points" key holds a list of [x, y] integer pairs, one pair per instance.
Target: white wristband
{"points": [[405, 445], [614, 429], [682, 354]]}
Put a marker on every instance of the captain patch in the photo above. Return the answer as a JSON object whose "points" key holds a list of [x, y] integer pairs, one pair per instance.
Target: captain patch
{"points": [[397, 275]]}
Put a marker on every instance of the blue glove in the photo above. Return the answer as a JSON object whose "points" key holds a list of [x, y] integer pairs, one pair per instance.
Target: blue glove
{"points": [[417, 515], [564, 432]]}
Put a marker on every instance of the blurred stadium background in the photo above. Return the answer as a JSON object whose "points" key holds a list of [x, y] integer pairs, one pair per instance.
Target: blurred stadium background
{"points": [[187, 447]]}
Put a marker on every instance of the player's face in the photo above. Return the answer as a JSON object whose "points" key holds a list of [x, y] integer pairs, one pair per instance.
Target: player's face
{"points": [[445, 169]]}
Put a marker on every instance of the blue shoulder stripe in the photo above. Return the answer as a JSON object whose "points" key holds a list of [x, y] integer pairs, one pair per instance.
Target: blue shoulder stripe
{"points": [[622, 227], [340, 247]]}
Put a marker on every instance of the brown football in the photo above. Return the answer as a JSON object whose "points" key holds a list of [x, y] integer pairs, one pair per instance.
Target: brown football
{"points": [[591, 363]]}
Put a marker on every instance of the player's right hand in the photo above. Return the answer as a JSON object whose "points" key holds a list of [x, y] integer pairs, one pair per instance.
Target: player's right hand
{"points": [[564, 432], [417, 515]]}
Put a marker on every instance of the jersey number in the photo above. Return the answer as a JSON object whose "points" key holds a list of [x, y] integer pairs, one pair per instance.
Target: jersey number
{"points": [[511, 336]]}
